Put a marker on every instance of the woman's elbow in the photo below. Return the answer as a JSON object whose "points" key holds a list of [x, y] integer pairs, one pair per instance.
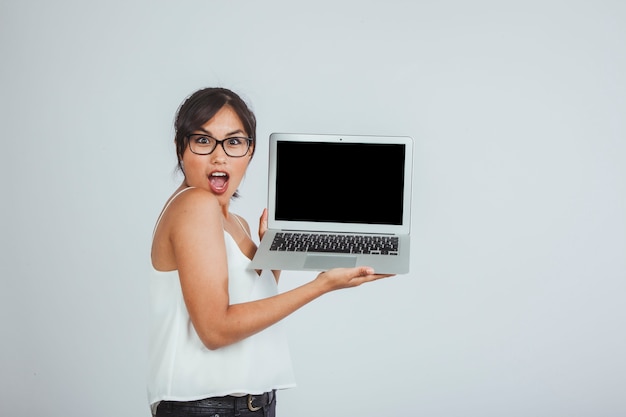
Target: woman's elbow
{"points": [[214, 340]]}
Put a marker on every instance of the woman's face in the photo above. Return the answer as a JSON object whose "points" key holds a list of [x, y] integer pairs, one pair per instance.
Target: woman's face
{"points": [[217, 172]]}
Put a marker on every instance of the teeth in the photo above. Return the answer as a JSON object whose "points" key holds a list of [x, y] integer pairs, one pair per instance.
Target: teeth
{"points": [[218, 174]]}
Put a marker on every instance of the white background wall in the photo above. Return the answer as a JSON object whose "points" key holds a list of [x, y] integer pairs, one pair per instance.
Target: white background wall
{"points": [[515, 303]]}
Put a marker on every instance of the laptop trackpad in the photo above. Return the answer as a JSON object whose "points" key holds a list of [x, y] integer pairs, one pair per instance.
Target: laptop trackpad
{"points": [[325, 262]]}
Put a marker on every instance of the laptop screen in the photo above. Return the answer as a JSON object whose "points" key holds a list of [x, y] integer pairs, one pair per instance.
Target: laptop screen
{"points": [[340, 182]]}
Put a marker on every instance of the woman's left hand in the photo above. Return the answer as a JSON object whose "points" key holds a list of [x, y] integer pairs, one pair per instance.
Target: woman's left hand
{"points": [[263, 224]]}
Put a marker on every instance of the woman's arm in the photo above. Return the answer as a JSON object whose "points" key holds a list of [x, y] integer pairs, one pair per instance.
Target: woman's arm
{"points": [[198, 242]]}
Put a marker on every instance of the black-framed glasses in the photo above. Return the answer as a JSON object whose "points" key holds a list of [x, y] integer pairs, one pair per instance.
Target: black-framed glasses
{"points": [[235, 147]]}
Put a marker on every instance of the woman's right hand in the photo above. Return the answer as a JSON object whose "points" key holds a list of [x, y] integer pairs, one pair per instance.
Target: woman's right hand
{"points": [[339, 278]]}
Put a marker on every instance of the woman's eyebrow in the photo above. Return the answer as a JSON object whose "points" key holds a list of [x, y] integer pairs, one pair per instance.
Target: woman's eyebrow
{"points": [[231, 134], [236, 132]]}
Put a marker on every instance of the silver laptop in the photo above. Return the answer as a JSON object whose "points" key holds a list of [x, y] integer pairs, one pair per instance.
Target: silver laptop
{"points": [[338, 201]]}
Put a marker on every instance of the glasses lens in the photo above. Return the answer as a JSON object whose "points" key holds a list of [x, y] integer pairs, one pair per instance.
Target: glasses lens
{"points": [[236, 146], [202, 145]]}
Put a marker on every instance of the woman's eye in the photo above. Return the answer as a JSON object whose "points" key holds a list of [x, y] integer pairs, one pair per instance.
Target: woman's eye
{"points": [[202, 140], [235, 141]]}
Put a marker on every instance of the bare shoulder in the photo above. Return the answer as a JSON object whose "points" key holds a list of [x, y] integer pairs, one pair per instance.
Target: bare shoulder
{"points": [[192, 208], [194, 198], [191, 219]]}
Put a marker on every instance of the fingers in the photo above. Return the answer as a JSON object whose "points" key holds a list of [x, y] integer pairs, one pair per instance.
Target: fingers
{"points": [[366, 271], [263, 223], [351, 277], [359, 271], [369, 275]]}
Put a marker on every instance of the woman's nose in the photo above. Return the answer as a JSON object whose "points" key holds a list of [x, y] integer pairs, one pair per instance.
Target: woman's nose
{"points": [[219, 155]]}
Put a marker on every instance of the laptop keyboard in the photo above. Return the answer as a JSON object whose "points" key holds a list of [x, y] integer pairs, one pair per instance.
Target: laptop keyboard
{"points": [[335, 243]]}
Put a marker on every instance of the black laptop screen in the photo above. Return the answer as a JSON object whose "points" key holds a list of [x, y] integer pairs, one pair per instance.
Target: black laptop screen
{"points": [[341, 182]]}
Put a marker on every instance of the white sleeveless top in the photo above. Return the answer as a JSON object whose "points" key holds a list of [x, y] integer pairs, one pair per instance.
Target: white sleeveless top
{"points": [[183, 369]]}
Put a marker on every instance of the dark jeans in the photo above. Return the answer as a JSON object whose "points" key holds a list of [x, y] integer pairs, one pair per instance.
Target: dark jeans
{"points": [[216, 407]]}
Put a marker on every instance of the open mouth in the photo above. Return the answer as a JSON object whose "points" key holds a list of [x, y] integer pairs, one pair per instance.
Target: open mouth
{"points": [[218, 182]]}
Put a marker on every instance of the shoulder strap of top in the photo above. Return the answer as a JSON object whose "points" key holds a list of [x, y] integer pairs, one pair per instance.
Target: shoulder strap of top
{"points": [[242, 226], [167, 205]]}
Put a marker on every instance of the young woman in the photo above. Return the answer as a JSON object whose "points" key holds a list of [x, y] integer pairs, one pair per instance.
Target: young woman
{"points": [[216, 345]]}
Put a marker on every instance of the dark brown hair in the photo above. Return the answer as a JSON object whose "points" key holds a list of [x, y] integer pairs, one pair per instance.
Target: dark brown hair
{"points": [[200, 107]]}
